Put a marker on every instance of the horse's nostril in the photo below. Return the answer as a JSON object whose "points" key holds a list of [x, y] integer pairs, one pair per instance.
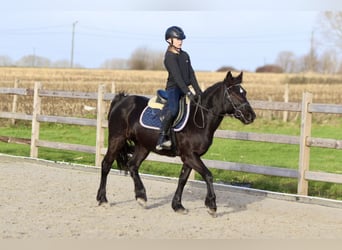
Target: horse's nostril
{"points": [[251, 116]]}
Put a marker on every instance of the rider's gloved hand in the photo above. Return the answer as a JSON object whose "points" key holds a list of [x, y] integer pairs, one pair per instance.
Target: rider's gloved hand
{"points": [[192, 97]]}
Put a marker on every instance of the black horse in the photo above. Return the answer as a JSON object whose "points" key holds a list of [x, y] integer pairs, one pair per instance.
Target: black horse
{"points": [[129, 143]]}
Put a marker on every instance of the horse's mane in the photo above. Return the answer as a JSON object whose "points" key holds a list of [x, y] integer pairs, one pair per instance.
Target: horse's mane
{"points": [[212, 89]]}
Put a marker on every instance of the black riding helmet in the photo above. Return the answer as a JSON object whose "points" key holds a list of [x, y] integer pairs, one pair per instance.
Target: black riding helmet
{"points": [[174, 32]]}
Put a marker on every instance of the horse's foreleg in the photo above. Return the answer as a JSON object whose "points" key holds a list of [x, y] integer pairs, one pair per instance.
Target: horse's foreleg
{"points": [[177, 198], [196, 163], [210, 200]]}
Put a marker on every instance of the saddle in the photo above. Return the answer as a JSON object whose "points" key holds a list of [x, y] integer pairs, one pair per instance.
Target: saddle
{"points": [[150, 117]]}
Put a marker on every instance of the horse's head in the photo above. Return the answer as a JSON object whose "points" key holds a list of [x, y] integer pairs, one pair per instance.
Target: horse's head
{"points": [[236, 99]]}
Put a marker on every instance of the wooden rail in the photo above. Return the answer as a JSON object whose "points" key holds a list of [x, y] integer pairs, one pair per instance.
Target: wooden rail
{"points": [[305, 141]]}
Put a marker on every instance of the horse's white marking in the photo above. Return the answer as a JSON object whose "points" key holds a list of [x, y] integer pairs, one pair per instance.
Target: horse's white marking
{"points": [[141, 202]]}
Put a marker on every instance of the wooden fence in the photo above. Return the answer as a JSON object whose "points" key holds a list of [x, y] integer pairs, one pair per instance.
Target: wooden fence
{"points": [[305, 141]]}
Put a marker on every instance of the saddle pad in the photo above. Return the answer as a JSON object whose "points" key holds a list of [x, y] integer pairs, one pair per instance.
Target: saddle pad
{"points": [[149, 118]]}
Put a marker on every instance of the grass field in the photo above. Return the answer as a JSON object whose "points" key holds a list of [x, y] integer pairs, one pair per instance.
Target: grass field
{"points": [[268, 154], [270, 87]]}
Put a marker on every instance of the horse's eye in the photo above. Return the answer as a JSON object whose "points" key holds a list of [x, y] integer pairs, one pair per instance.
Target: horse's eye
{"points": [[241, 90]]}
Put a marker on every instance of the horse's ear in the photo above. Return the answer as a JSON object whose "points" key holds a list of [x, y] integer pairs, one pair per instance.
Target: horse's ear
{"points": [[229, 77], [239, 77]]}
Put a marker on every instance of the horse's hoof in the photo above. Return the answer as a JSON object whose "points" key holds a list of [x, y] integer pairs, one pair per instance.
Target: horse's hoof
{"points": [[212, 212], [182, 211], [141, 202], [101, 202]]}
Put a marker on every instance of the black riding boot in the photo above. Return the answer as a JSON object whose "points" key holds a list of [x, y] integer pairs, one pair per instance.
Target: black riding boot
{"points": [[164, 141]]}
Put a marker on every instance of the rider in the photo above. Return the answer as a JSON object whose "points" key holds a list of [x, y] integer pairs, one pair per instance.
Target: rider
{"points": [[180, 76]]}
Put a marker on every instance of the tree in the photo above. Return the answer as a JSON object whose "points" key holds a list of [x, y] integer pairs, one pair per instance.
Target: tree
{"points": [[33, 61], [328, 62], [5, 61], [287, 61], [269, 68], [61, 63], [145, 59], [226, 69], [309, 62], [139, 59], [156, 61], [331, 26], [115, 63]]}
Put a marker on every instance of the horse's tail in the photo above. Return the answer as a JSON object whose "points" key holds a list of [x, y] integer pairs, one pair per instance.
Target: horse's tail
{"points": [[115, 101], [124, 155], [126, 152]]}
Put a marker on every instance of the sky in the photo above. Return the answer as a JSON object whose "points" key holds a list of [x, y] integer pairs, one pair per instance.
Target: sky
{"points": [[244, 35]]}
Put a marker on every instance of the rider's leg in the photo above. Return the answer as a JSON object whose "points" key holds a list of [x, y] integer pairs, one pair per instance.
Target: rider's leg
{"points": [[164, 141], [170, 112]]}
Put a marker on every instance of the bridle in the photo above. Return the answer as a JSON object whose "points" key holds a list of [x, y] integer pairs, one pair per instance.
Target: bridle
{"points": [[237, 109]]}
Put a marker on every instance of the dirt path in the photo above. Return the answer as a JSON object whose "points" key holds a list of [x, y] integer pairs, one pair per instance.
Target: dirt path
{"points": [[43, 200]]}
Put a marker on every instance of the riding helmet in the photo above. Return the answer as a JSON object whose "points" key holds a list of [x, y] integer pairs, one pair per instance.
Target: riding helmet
{"points": [[174, 32]]}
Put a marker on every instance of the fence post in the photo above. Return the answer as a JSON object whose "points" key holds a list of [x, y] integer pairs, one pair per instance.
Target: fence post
{"points": [[304, 150], [15, 101], [286, 99], [113, 90], [35, 123], [99, 128]]}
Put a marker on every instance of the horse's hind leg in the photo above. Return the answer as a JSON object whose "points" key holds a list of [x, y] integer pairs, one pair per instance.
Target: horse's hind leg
{"points": [[105, 168], [139, 155], [107, 162]]}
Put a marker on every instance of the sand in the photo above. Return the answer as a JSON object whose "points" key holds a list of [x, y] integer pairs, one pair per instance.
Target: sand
{"points": [[43, 200]]}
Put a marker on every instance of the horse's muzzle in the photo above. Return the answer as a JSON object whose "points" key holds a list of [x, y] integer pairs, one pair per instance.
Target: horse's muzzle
{"points": [[246, 114]]}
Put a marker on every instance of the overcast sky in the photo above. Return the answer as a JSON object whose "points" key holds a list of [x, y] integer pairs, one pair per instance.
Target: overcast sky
{"points": [[243, 36]]}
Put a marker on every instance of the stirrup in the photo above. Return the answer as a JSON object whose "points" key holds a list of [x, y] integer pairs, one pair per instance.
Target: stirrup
{"points": [[164, 145]]}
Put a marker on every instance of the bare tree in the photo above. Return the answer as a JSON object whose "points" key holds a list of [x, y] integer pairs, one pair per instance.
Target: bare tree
{"points": [[308, 63], [115, 63], [156, 60], [139, 59], [34, 61], [143, 59], [5, 61], [286, 60], [64, 63], [331, 26], [328, 62]]}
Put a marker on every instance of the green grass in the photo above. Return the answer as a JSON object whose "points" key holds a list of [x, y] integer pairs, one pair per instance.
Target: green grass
{"points": [[258, 153], [52, 132]]}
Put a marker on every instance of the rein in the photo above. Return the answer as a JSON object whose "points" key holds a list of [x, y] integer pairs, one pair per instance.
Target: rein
{"points": [[237, 109]]}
